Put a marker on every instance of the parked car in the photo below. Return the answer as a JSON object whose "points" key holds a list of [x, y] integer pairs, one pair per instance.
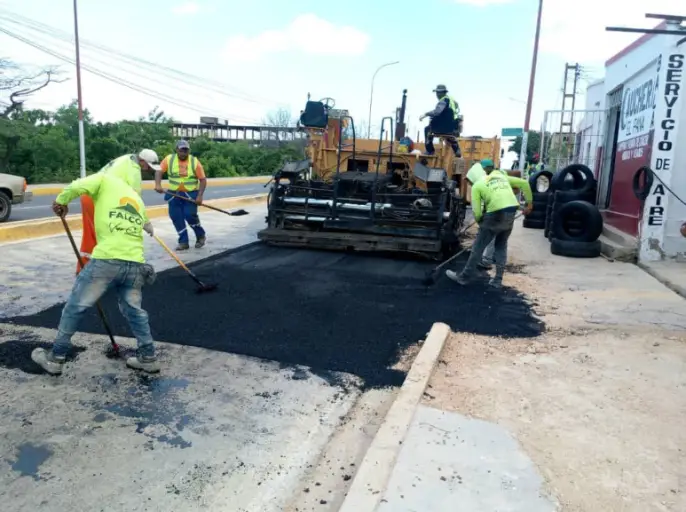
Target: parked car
{"points": [[13, 190]]}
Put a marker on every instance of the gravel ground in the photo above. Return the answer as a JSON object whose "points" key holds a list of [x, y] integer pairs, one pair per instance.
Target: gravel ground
{"points": [[328, 311]]}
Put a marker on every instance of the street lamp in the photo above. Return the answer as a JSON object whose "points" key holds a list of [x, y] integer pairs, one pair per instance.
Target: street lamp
{"points": [[82, 143], [532, 79], [371, 95]]}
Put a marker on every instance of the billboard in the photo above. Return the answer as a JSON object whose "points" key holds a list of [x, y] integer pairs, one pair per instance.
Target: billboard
{"points": [[634, 143]]}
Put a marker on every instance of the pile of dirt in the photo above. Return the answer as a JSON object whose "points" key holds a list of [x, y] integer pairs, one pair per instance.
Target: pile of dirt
{"points": [[329, 311]]}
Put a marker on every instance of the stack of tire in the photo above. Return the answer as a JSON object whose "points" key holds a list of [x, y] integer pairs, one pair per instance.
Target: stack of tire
{"points": [[573, 222], [540, 183]]}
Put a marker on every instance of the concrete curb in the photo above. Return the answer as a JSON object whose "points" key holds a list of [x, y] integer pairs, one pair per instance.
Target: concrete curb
{"points": [[29, 229], [148, 185], [676, 288], [374, 472]]}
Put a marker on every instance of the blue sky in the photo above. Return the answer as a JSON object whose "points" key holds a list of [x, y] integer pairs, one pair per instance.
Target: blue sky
{"points": [[274, 52]]}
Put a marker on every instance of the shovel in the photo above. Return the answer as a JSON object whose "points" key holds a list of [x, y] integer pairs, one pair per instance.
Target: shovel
{"points": [[232, 213], [114, 348], [202, 287]]}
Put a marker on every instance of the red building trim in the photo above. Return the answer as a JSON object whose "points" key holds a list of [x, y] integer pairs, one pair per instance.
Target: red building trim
{"points": [[634, 45]]}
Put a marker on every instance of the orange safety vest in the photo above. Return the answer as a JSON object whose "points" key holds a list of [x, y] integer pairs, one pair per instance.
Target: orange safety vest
{"points": [[88, 240]]}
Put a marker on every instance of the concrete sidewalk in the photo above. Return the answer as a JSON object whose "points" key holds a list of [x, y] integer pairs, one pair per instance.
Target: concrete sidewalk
{"points": [[587, 417], [670, 273]]}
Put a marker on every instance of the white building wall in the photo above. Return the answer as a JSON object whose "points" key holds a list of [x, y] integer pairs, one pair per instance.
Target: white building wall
{"points": [[633, 62], [663, 214], [592, 125]]}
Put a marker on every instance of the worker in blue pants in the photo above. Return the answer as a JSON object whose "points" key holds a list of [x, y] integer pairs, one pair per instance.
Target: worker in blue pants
{"points": [[186, 179]]}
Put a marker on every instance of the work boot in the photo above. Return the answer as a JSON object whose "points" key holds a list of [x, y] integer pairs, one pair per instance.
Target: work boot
{"points": [[496, 282], [148, 364], [200, 242], [485, 264], [48, 361], [459, 279], [183, 247]]}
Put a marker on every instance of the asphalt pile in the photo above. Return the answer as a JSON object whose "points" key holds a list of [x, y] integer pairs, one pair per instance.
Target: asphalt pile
{"points": [[328, 311]]}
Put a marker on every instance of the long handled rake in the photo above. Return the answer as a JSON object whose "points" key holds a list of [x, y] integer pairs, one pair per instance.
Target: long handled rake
{"points": [[114, 349]]}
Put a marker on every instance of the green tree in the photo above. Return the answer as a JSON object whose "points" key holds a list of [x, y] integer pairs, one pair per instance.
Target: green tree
{"points": [[43, 146], [533, 144], [16, 85]]}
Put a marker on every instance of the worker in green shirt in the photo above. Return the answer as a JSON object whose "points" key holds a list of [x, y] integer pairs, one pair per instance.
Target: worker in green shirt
{"points": [[117, 261], [496, 219]]}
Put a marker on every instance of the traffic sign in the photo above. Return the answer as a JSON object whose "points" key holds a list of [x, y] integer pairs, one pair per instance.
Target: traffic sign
{"points": [[512, 132]]}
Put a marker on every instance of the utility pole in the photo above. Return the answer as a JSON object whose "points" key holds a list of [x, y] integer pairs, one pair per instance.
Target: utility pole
{"points": [[566, 96], [82, 135], [567, 121], [532, 80]]}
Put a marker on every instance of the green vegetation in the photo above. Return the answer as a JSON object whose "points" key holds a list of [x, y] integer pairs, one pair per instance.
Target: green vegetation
{"points": [[44, 146], [533, 144]]}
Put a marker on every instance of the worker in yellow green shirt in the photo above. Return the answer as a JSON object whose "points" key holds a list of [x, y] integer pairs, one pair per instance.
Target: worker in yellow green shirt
{"points": [[117, 262], [495, 218]]}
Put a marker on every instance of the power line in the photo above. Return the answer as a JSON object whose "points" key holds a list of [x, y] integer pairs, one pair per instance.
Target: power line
{"points": [[146, 77], [142, 90], [176, 74]]}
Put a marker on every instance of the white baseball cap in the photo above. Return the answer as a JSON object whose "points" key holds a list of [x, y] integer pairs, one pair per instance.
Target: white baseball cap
{"points": [[149, 156]]}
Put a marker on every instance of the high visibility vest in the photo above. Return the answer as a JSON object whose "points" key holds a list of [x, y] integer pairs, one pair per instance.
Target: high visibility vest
{"points": [[499, 193], [189, 182], [453, 105]]}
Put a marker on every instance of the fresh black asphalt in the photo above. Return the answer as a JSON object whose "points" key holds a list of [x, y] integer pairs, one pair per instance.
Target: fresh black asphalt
{"points": [[329, 311]]}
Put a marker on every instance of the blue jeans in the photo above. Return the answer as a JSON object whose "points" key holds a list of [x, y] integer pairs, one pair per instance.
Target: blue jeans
{"points": [[97, 277], [182, 212], [495, 227]]}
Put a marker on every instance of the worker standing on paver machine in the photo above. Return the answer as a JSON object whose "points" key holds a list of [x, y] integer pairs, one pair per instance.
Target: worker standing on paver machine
{"points": [[444, 120], [501, 206], [186, 178], [117, 261]]}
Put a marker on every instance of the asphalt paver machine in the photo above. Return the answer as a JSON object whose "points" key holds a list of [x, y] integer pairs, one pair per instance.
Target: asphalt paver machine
{"points": [[357, 194]]}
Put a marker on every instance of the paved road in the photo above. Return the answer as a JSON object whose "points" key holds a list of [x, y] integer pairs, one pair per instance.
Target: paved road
{"points": [[214, 431], [40, 206]]}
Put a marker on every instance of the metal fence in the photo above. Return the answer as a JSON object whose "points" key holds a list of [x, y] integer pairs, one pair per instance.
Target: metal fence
{"points": [[572, 136]]}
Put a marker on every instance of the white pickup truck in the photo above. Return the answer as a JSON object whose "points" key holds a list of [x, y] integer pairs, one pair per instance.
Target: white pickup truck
{"points": [[13, 190]]}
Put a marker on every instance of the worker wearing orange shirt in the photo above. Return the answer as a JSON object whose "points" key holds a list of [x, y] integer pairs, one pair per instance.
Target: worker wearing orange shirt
{"points": [[186, 178], [88, 240]]}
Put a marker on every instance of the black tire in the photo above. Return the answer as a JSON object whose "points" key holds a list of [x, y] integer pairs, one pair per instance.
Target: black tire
{"points": [[575, 231], [533, 223], [540, 197], [533, 180], [540, 207], [575, 249], [587, 213], [642, 190], [5, 207], [582, 175], [537, 215], [575, 224], [565, 196]]}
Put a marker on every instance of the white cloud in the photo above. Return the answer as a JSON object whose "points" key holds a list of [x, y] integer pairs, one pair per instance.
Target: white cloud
{"points": [[307, 34], [576, 30], [482, 3], [187, 8]]}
